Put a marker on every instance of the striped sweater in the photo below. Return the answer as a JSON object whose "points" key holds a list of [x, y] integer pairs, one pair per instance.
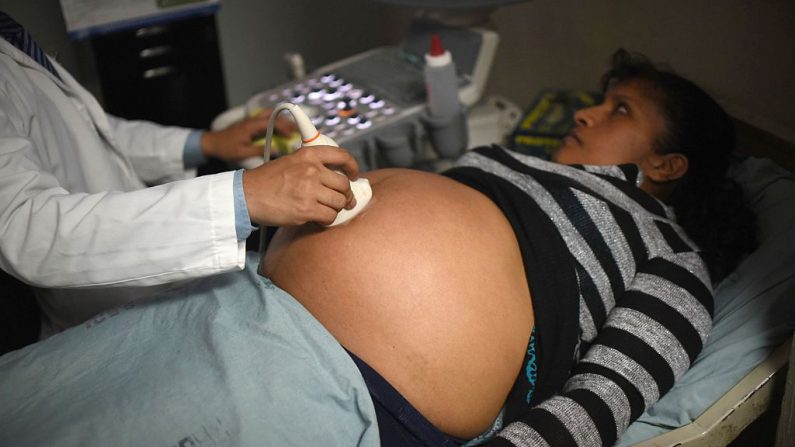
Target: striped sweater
{"points": [[622, 299]]}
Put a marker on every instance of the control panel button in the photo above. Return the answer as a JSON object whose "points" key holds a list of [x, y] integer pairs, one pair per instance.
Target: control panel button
{"points": [[364, 123], [298, 96], [316, 94], [346, 101], [332, 119], [331, 94]]}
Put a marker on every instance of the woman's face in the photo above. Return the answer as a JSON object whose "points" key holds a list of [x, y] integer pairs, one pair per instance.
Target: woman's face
{"points": [[622, 129]]}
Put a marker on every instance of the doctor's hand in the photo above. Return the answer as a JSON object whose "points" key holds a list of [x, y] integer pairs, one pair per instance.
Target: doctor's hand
{"points": [[235, 143], [301, 187]]}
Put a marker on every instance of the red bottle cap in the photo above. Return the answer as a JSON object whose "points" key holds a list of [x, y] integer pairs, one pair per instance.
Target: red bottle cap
{"points": [[436, 45]]}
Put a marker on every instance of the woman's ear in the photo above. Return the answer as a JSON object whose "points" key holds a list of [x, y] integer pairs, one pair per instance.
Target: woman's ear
{"points": [[667, 168]]}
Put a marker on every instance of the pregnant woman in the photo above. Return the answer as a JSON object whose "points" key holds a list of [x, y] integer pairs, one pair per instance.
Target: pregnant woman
{"points": [[556, 300]]}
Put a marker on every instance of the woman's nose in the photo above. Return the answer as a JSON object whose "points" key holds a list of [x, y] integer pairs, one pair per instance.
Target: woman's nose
{"points": [[584, 117]]}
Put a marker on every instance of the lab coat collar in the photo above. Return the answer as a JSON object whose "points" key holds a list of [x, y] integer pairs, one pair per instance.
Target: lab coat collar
{"points": [[26, 61]]}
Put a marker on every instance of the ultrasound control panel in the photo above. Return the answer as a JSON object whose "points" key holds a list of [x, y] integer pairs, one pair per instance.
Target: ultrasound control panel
{"points": [[338, 107]]}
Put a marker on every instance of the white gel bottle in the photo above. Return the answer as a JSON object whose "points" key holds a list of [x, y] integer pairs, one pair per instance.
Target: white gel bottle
{"points": [[446, 121], [441, 82]]}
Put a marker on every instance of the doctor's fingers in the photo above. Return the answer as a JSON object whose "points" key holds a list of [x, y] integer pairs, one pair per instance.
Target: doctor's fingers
{"points": [[324, 215], [333, 200], [310, 183], [312, 202], [338, 183], [333, 157]]}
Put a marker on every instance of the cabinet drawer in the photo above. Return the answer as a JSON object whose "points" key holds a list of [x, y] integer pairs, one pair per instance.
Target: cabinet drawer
{"points": [[168, 73]]}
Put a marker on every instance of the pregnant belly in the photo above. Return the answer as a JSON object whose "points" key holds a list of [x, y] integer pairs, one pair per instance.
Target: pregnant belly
{"points": [[426, 286]]}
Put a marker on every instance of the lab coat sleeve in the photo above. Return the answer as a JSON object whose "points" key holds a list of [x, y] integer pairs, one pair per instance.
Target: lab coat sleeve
{"points": [[155, 151], [50, 237], [649, 340]]}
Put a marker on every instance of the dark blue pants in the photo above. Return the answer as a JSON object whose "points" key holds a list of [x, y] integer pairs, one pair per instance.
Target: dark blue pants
{"points": [[399, 423]]}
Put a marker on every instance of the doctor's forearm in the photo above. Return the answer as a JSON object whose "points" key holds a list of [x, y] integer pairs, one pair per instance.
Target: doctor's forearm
{"points": [[155, 152]]}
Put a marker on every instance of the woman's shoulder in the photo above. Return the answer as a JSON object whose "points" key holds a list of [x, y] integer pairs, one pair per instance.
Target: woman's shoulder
{"points": [[616, 185]]}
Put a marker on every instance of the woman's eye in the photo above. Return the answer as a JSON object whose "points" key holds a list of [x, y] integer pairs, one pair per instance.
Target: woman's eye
{"points": [[621, 109]]}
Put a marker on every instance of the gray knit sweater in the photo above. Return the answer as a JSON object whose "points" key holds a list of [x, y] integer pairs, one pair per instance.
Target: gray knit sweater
{"points": [[623, 300]]}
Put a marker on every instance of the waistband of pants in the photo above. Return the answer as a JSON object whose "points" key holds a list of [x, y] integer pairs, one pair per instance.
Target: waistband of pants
{"points": [[399, 423]]}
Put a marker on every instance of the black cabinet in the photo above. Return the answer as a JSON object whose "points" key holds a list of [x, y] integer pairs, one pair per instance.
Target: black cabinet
{"points": [[169, 73]]}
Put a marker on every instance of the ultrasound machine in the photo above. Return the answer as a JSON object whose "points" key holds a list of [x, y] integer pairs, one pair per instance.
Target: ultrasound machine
{"points": [[374, 103]]}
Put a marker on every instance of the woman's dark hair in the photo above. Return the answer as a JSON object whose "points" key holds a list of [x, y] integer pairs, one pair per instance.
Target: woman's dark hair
{"points": [[708, 205]]}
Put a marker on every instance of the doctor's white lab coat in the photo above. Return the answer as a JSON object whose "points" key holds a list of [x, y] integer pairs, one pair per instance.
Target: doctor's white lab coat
{"points": [[75, 215]]}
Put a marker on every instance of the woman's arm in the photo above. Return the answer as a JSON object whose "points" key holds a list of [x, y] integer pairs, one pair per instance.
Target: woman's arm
{"points": [[648, 342]]}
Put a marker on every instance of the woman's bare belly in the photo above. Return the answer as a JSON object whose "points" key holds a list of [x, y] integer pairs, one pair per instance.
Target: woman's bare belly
{"points": [[427, 286]]}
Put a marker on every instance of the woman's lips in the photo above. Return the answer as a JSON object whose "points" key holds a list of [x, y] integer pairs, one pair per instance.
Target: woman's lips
{"points": [[573, 135]]}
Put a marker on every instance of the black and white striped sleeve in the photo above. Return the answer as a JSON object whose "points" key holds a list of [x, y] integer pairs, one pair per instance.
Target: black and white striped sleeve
{"points": [[648, 341]]}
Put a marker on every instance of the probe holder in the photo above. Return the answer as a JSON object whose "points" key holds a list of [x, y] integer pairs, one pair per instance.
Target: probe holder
{"points": [[448, 135]]}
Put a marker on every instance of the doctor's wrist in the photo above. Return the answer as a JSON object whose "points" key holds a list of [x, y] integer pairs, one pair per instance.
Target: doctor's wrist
{"points": [[209, 144]]}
